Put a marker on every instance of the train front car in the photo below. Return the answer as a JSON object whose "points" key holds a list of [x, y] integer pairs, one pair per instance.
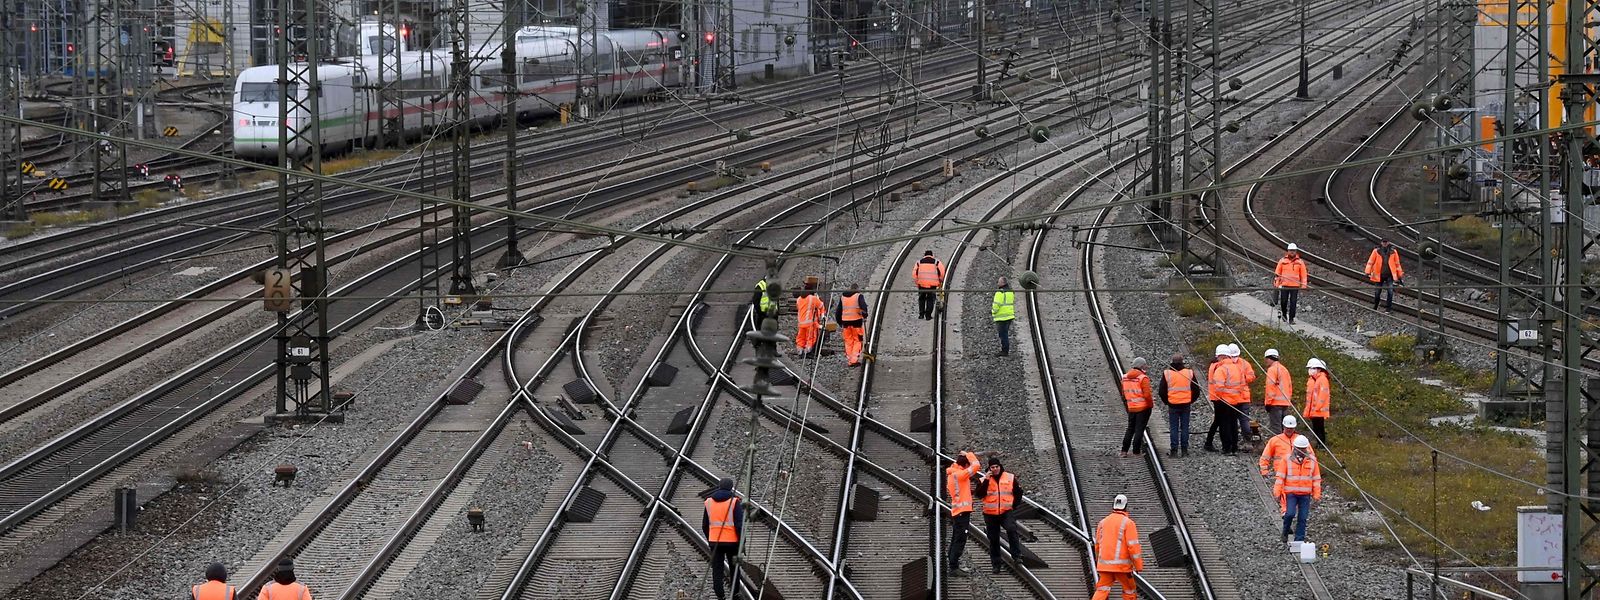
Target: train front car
{"points": [[255, 114], [256, 98]]}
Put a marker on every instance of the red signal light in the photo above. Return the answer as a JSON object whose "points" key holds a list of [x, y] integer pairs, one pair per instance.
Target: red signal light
{"points": [[710, 37], [34, 28], [71, 48]]}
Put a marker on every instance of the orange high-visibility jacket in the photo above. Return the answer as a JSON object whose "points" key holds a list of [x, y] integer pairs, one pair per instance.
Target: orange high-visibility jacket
{"points": [[1317, 395], [809, 309], [850, 312], [1136, 390], [1217, 379], [929, 275], [1180, 386], [999, 498], [1280, 385], [1245, 375], [1291, 273], [213, 590], [958, 482], [1116, 544], [1278, 447], [720, 513], [1375, 265], [274, 591], [1298, 477]]}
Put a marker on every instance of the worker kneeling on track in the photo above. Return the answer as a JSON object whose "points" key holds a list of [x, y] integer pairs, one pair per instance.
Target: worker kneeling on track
{"points": [[1116, 552]]}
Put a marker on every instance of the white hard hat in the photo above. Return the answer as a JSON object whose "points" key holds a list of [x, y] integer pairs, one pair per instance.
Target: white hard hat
{"points": [[1120, 502], [1316, 363], [1302, 442], [1272, 352], [1290, 422], [1222, 350], [1293, 248], [1233, 350]]}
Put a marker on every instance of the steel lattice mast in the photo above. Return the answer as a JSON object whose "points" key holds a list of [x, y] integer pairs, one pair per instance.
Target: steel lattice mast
{"points": [[110, 177], [1202, 140], [11, 193], [461, 284]]}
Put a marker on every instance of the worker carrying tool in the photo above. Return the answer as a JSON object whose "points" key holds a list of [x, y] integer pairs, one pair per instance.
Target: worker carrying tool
{"points": [[1004, 310], [851, 313], [1116, 552], [928, 274], [1299, 484], [1279, 389], [811, 312], [1290, 277], [1318, 399], [722, 524], [1001, 494], [216, 586], [1383, 270], [1178, 392], [1279, 446], [283, 585], [958, 483], [1136, 394]]}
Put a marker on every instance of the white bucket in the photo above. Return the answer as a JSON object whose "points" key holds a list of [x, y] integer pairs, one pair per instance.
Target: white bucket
{"points": [[1308, 552]]}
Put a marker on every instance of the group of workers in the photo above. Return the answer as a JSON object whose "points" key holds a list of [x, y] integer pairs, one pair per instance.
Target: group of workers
{"points": [[282, 587], [1229, 378], [850, 313], [1383, 271]]}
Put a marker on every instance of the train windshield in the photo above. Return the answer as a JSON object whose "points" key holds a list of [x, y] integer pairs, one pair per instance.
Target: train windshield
{"points": [[262, 92]]}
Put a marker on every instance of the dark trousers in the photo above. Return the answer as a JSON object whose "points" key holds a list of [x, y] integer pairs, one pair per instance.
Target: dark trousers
{"points": [[1288, 302], [958, 537], [1387, 285], [1178, 426], [1216, 423], [927, 301], [1003, 329], [992, 525], [1230, 426], [1134, 434], [1317, 430], [1296, 510], [1242, 411], [722, 558], [1275, 418]]}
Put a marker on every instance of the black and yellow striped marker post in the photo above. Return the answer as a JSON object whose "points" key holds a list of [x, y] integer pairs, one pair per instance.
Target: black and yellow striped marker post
{"points": [[28, 168], [57, 184], [170, 132]]}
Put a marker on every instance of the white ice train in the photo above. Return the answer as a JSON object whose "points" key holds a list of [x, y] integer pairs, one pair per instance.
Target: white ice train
{"points": [[631, 63]]}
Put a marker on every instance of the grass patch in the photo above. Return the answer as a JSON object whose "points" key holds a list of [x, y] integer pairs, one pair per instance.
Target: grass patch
{"points": [[1189, 304], [1475, 233], [20, 230], [357, 161], [62, 218], [255, 178], [1395, 467], [1396, 348]]}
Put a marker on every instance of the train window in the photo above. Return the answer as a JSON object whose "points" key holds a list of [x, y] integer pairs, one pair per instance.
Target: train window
{"points": [[262, 92]]}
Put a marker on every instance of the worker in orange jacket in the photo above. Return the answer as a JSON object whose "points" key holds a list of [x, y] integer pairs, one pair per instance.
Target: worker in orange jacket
{"points": [[1001, 496], [1299, 483], [216, 586], [810, 311], [851, 314], [1218, 375], [1137, 396], [1279, 446], [1290, 277], [722, 523], [1279, 390], [283, 585], [1239, 398], [928, 274], [958, 483], [1318, 399], [1116, 552], [1383, 270], [1178, 390]]}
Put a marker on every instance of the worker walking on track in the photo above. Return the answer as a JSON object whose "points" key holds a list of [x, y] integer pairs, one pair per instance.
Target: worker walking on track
{"points": [[1004, 310], [1001, 494], [1290, 277], [762, 301], [1116, 552], [1216, 381], [1178, 392], [1299, 483], [1279, 390], [958, 483], [722, 523], [1239, 393], [1137, 395], [1318, 399], [851, 313], [1279, 446], [1383, 270], [810, 311], [216, 586], [929, 277], [283, 585]]}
